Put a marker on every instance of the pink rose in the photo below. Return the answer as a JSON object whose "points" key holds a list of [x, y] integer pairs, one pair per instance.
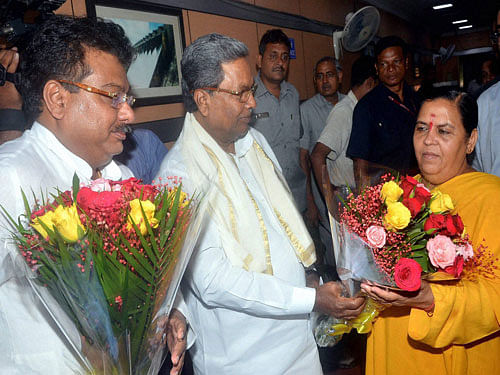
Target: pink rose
{"points": [[407, 274], [376, 236], [442, 251], [98, 185], [466, 251]]}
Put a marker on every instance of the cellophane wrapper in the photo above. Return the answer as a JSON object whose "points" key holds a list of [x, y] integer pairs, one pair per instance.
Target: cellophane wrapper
{"points": [[355, 263], [77, 302]]}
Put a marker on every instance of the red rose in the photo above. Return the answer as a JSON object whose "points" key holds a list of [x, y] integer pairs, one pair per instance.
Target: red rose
{"points": [[422, 193], [134, 188], [458, 224], [458, 266], [128, 182], [449, 229], [414, 205], [452, 226], [89, 199], [407, 184], [407, 274], [434, 221]]}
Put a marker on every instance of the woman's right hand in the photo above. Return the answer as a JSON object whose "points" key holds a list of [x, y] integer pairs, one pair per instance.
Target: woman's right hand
{"points": [[422, 299]]}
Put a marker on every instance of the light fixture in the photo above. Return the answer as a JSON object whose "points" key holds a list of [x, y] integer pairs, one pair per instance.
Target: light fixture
{"points": [[442, 6], [459, 21], [465, 27]]}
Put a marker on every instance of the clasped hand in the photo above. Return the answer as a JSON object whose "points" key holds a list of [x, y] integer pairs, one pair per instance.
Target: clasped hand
{"points": [[329, 300]]}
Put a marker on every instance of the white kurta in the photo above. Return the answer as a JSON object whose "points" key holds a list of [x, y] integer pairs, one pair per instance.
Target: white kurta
{"points": [[247, 322], [37, 162]]}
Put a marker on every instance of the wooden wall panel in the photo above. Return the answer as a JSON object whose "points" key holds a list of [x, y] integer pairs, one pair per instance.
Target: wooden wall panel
{"points": [[158, 112], [466, 41], [315, 47], [202, 23], [288, 6], [187, 27], [328, 11], [392, 25]]}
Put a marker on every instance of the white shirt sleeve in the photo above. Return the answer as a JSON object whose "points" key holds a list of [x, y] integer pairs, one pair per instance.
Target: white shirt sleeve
{"points": [[216, 282], [336, 133]]}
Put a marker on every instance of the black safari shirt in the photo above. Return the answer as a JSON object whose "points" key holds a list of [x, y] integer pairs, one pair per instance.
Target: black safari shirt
{"points": [[382, 128]]}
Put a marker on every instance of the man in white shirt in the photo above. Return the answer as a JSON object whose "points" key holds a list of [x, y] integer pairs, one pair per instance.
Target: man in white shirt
{"points": [[74, 86], [246, 284], [332, 144]]}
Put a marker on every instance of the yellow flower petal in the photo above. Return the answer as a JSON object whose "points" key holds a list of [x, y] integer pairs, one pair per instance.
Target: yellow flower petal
{"points": [[391, 192], [398, 216], [440, 202], [136, 216]]}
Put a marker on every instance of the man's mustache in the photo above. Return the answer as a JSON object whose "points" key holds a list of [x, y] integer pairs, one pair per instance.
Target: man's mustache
{"points": [[123, 128]]}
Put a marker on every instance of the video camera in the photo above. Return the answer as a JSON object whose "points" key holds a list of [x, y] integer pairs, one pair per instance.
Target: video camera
{"points": [[17, 17]]}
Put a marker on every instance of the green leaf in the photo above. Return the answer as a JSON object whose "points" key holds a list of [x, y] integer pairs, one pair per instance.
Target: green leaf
{"points": [[76, 186]]}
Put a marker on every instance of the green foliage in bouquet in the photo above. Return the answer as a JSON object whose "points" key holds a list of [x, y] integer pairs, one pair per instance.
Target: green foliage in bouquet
{"points": [[107, 253]]}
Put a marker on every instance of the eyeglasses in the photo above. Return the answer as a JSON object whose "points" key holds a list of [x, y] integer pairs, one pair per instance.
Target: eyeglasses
{"points": [[243, 95], [117, 97]]}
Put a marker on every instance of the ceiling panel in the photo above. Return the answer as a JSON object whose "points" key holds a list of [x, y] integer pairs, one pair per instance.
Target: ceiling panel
{"points": [[479, 13]]}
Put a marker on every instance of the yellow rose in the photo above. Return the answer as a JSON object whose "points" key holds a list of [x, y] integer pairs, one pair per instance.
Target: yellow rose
{"points": [[183, 198], [440, 202], [391, 192], [397, 217], [67, 222], [47, 219], [137, 217]]}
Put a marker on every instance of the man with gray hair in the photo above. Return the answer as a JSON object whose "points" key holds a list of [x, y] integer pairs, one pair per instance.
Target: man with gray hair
{"points": [[245, 286]]}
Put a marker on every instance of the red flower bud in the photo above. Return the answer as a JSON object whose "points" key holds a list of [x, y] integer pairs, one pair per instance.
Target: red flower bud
{"points": [[457, 268], [407, 184], [414, 205], [422, 194]]}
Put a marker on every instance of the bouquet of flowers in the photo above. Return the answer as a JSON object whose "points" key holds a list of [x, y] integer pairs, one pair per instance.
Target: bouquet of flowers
{"points": [[111, 255], [394, 233]]}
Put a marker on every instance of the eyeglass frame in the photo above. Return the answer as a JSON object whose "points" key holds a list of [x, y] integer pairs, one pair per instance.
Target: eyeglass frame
{"points": [[121, 96], [251, 90]]}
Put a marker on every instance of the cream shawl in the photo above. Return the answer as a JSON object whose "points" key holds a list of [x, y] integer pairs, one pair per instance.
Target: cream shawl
{"points": [[239, 220]]}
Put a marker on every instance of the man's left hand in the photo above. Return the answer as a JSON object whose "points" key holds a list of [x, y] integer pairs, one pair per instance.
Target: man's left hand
{"points": [[176, 340]]}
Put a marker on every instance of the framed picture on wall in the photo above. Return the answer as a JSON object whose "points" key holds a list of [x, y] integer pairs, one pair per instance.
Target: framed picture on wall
{"points": [[157, 34]]}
